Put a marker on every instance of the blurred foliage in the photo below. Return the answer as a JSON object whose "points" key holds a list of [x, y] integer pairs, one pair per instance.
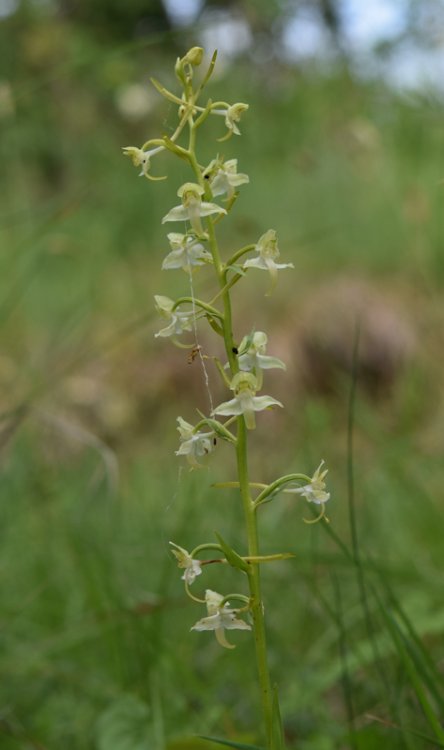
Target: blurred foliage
{"points": [[95, 650]]}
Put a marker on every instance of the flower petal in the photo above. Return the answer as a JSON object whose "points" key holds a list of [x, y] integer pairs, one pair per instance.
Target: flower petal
{"points": [[178, 213], [265, 402], [206, 209], [228, 408], [267, 363]]}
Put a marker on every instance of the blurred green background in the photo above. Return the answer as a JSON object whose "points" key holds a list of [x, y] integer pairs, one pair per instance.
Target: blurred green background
{"points": [[344, 145]]}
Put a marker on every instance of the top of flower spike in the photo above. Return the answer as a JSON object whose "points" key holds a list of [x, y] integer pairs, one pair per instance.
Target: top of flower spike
{"points": [[184, 65]]}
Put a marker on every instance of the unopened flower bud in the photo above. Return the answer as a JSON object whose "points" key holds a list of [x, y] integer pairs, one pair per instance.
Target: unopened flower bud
{"points": [[194, 56]]}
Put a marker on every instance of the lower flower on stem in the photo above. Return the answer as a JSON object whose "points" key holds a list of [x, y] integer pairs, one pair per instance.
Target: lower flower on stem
{"points": [[220, 618]]}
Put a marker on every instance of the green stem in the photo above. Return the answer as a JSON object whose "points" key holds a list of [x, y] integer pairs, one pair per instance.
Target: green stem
{"points": [[242, 465], [254, 579]]}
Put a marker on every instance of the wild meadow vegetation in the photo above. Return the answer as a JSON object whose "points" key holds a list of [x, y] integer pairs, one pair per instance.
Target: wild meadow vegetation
{"points": [[96, 650]]}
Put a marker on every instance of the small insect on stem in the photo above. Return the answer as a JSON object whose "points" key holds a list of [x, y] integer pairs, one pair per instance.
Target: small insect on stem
{"points": [[193, 354]]}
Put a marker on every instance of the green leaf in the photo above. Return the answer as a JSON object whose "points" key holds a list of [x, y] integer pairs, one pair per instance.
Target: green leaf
{"points": [[228, 743], [125, 725], [214, 325], [220, 430], [277, 730], [233, 558], [236, 268]]}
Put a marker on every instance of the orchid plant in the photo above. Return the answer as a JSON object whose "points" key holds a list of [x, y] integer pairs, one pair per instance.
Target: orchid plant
{"points": [[194, 250]]}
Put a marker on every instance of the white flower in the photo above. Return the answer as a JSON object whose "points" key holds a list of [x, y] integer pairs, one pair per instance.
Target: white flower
{"points": [[224, 178], [252, 355], [268, 253], [142, 159], [178, 322], [220, 618], [314, 491], [186, 252], [192, 208], [193, 445], [191, 567], [245, 403], [232, 116]]}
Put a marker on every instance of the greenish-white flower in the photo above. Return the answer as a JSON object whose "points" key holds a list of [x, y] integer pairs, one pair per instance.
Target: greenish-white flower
{"points": [[192, 568], [314, 491], [142, 159], [194, 444], [220, 618], [232, 114], [267, 255], [245, 402], [193, 207], [186, 252], [252, 356], [178, 321], [224, 177]]}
